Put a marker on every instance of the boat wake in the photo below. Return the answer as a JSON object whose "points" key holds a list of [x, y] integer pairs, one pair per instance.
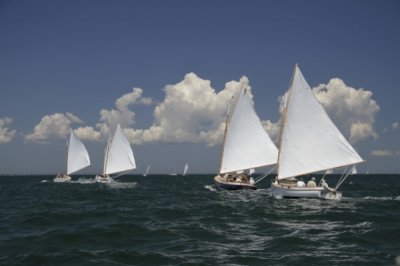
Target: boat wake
{"points": [[382, 198], [84, 181], [121, 185], [210, 188]]}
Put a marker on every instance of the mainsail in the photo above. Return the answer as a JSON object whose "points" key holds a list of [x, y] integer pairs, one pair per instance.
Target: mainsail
{"points": [[246, 144], [310, 142], [78, 156], [119, 154]]}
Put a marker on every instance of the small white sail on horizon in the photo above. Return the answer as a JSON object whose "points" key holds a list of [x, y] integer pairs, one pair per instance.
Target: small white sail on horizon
{"points": [[77, 158], [185, 169], [118, 157], [147, 171], [173, 172]]}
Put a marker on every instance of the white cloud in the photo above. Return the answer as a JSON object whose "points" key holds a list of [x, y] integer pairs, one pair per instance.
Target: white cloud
{"points": [[383, 153], [122, 115], [6, 134], [395, 125], [192, 111], [352, 110], [53, 126], [87, 133]]}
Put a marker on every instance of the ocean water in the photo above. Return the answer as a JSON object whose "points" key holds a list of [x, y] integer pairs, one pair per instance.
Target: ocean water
{"points": [[176, 220]]}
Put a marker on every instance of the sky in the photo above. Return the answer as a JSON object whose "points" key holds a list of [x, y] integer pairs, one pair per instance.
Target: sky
{"points": [[166, 71]]}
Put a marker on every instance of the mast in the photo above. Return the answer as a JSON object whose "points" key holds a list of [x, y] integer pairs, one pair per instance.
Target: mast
{"points": [[106, 155], [226, 127], [283, 121]]}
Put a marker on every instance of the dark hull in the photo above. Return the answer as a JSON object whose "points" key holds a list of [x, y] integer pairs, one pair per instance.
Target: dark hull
{"points": [[220, 184]]}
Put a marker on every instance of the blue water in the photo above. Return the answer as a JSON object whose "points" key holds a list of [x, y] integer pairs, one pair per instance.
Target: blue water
{"points": [[175, 220]]}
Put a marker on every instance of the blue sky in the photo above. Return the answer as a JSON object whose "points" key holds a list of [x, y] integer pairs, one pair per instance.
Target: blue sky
{"points": [[63, 62]]}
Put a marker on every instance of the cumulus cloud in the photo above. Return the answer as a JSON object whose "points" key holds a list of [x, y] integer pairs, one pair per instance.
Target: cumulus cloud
{"points": [[122, 114], [88, 133], [395, 125], [53, 126], [384, 153], [192, 111], [352, 110], [6, 134]]}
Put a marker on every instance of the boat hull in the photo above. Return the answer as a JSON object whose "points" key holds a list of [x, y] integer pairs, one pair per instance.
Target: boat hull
{"points": [[62, 179], [282, 191], [221, 184]]}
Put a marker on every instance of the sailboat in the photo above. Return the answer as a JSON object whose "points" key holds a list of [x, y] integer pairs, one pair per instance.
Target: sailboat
{"points": [[309, 143], [77, 158], [173, 172], [185, 169], [246, 146], [147, 171], [118, 157]]}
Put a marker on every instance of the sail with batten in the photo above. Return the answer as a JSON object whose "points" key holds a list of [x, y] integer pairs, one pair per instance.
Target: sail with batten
{"points": [[246, 144], [119, 154], [78, 156], [310, 142]]}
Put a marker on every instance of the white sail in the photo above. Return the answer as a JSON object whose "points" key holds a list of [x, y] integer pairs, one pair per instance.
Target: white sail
{"points": [[310, 142], [246, 145], [147, 171], [119, 155], [78, 156], [185, 169]]}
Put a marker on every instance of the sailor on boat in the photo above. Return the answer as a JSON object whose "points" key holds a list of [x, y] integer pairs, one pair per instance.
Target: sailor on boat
{"points": [[311, 183], [301, 183]]}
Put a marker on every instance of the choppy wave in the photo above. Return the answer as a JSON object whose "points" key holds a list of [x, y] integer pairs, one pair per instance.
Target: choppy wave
{"points": [[163, 220], [382, 198]]}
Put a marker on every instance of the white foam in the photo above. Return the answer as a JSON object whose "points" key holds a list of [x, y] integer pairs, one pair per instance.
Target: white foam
{"points": [[121, 185], [382, 198], [210, 188], [84, 181]]}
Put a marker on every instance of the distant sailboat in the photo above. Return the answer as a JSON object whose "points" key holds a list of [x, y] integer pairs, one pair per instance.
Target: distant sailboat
{"points": [[173, 172], [309, 143], [185, 169], [77, 158], [246, 146], [118, 157], [147, 171]]}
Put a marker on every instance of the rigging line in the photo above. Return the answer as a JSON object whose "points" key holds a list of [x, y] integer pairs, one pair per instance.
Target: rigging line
{"points": [[344, 178], [261, 178], [122, 174]]}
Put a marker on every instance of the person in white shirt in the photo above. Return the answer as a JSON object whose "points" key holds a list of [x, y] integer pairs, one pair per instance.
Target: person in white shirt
{"points": [[301, 183]]}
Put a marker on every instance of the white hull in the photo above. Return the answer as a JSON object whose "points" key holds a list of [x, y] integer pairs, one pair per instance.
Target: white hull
{"points": [[280, 191], [62, 179], [103, 179]]}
